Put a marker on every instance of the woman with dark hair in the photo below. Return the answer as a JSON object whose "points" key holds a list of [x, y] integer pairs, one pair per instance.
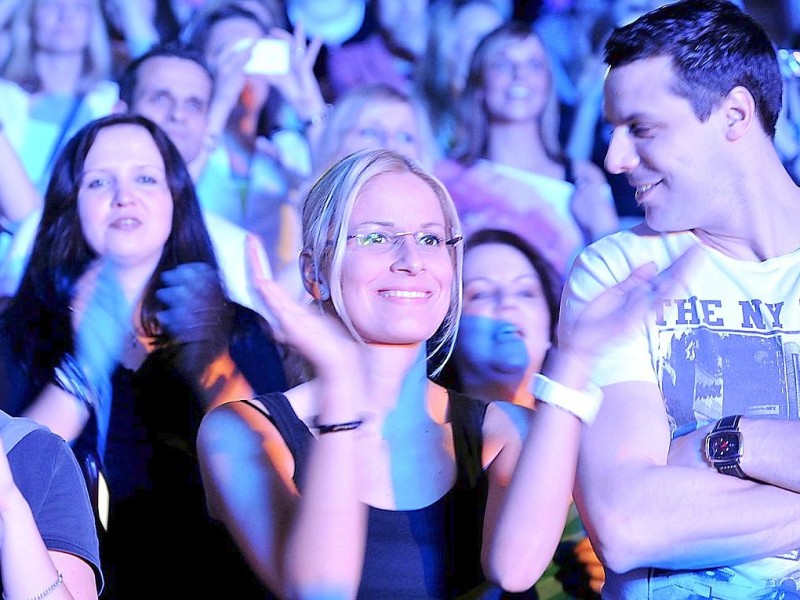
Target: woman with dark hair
{"points": [[508, 322], [120, 337]]}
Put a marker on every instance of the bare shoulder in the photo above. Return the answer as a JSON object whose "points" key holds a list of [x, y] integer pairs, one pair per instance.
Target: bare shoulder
{"points": [[303, 399], [504, 429], [237, 440], [239, 420]]}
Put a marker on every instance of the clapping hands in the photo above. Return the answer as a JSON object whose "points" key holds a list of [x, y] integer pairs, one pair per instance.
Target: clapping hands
{"points": [[319, 337], [619, 307], [197, 315], [101, 320]]}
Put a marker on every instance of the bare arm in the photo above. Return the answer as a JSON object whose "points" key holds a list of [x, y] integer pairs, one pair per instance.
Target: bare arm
{"points": [[235, 443], [136, 18], [534, 511], [325, 547], [525, 525], [642, 512], [302, 546], [60, 411], [28, 568], [769, 445]]}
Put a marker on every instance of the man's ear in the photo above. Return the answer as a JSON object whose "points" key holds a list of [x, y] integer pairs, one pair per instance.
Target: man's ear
{"points": [[740, 112], [120, 107], [313, 280]]}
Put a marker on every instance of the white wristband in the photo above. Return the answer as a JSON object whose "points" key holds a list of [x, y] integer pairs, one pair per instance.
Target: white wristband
{"points": [[584, 404]]}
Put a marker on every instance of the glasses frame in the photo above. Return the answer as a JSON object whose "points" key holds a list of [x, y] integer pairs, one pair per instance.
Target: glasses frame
{"points": [[396, 238]]}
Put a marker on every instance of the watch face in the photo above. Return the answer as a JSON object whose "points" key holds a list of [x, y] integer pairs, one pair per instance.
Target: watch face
{"points": [[724, 445]]}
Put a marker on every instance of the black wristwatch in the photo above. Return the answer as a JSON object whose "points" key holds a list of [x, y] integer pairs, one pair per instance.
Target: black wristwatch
{"points": [[724, 446]]}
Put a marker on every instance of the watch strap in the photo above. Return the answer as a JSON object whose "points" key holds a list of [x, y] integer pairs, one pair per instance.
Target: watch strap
{"points": [[729, 423], [731, 467]]}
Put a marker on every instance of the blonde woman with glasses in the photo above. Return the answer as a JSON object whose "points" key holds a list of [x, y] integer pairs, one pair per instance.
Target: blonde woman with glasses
{"points": [[371, 480]]}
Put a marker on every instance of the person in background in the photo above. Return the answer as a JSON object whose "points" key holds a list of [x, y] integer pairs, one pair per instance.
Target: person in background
{"points": [[507, 169], [137, 25], [568, 29], [589, 134], [387, 49], [371, 480], [19, 202], [171, 86], [507, 327], [455, 28], [48, 542], [260, 126], [687, 482], [334, 22], [120, 337], [57, 78], [376, 116], [509, 319], [787, 131], [373, 115]]}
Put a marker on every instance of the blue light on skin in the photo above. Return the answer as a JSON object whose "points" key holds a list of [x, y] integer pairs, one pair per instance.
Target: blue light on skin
{"points": [[492, 344], [490, 356], [504, 332]]}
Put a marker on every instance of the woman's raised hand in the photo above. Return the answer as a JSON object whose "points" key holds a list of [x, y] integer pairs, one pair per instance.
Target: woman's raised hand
{"points": [[102, 321], [319, 337], [619, 307], [299, 86]]}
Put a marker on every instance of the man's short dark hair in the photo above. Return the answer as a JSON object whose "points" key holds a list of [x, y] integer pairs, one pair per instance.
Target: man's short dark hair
{"points": [[175, 49], [714, 47]]}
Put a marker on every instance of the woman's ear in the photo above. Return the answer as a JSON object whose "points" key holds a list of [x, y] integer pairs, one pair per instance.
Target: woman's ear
{"points": [[312, 279]]}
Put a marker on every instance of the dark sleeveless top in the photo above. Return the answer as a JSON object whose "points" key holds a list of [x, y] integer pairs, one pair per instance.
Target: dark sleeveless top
{"points": [[431, 552]]}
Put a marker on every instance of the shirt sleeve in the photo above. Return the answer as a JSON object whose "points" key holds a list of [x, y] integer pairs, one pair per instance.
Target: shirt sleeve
{"points": [[631, 356], [48, 475]]}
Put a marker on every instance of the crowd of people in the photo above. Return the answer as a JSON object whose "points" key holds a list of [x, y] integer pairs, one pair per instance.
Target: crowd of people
{"points": [[419, 302]]}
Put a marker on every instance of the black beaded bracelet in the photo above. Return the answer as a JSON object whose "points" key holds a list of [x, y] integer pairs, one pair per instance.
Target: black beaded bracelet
{"points": [[71, 378], [334, 427]]}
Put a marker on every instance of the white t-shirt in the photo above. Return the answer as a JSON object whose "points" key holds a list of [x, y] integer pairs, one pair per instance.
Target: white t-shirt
{"points": [[729, 343]]}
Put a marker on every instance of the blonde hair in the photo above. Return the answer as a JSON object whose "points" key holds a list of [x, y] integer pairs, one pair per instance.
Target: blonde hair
{"points": [[325, 217], [350, 106]]}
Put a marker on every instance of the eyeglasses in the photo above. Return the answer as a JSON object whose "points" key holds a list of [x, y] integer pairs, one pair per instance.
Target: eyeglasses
{"points": [[382, 241]]}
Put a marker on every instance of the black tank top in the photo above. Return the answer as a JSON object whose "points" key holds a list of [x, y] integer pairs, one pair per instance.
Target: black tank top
{"points": [[431, 552]]}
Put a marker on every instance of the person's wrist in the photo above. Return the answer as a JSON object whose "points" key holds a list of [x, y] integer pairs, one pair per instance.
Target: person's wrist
{"points": [[72, 377], [583, 404], [570, 366], [325, 426]]}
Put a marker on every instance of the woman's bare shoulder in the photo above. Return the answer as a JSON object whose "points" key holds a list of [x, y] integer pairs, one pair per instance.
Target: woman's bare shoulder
{"points": [[504, 429]]}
